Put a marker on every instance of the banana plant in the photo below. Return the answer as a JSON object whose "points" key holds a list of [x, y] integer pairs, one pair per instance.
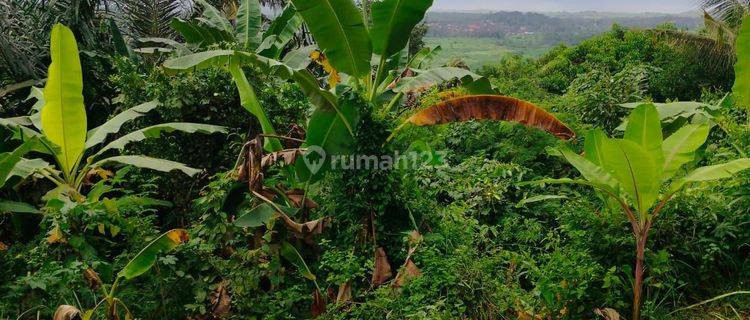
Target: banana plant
{"points": [[246, 36], [58, 128], [372, 54], [642, 172], [342, 36], [214, 28], [137, 266], [674, 115]]}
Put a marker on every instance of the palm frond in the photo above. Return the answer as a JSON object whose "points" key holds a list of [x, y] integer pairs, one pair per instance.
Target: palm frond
{"points": [[718, 29], [716, 42], [22, 49], [718, 54], [728, 11], [150, 18]]}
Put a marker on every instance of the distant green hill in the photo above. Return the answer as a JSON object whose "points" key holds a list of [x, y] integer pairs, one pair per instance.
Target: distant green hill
{"points": [[481, 38], [554, 28]]}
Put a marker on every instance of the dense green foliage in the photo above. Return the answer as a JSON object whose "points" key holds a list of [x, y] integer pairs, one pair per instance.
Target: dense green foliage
{"points": [[591, 80], [464, 232]]}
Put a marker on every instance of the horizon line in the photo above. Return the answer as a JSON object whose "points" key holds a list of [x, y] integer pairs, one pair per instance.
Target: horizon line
{"points": [[569, 12]]}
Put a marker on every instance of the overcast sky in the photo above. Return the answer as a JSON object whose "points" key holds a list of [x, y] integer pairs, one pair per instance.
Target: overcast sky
{"points": [[635, 6]]}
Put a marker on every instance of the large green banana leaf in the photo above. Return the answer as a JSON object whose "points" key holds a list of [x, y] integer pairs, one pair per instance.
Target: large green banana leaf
{"points": [[635, 169], [9, 160], [299, 59], [222, 58], [249, 23], [592, 146], [145, 259], [99, 134], [712, 173], [644, 128], [19, 126], [680, 148], [741, 88], [340, 31], [200, 34], [426, 79], [393, 22], [20, 132], [156, 132], [329, 130], [256, 217], [149, 163], [214, 17], [593, 152], [423, 57], [64, 115], [28, 167], [249, 101], [280, 32], [592, 172]]}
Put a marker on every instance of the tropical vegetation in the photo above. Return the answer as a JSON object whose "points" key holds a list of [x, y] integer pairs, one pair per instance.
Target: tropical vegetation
{"points": [[312, 159]]}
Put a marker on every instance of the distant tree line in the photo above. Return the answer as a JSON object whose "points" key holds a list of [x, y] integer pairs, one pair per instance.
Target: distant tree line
{"points": [[568, 28]]}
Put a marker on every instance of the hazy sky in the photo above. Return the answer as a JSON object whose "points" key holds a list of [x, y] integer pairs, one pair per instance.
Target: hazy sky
{"points": [[670, 6]]}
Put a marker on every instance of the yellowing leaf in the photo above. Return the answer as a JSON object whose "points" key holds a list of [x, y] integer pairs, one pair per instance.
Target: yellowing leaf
{"points": [[315, 55], [334, 78], [115, 230], [88, 314], [56, 236], [104, 174]]}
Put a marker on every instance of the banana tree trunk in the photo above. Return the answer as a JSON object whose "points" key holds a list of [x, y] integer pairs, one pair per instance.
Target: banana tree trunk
{"points": [[640, 250]]}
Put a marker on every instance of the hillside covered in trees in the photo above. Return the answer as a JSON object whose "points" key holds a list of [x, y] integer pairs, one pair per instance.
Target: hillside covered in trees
{"points": [[160, 160], [553, 28]]}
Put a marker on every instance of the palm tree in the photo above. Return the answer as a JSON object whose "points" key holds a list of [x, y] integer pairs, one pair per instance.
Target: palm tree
{"points": [[722, 21], [24, 41], [150, 18], [730, 12]]}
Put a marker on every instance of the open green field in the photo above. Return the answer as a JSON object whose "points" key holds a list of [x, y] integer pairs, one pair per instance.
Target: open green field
{"points": [[477, 52]]}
